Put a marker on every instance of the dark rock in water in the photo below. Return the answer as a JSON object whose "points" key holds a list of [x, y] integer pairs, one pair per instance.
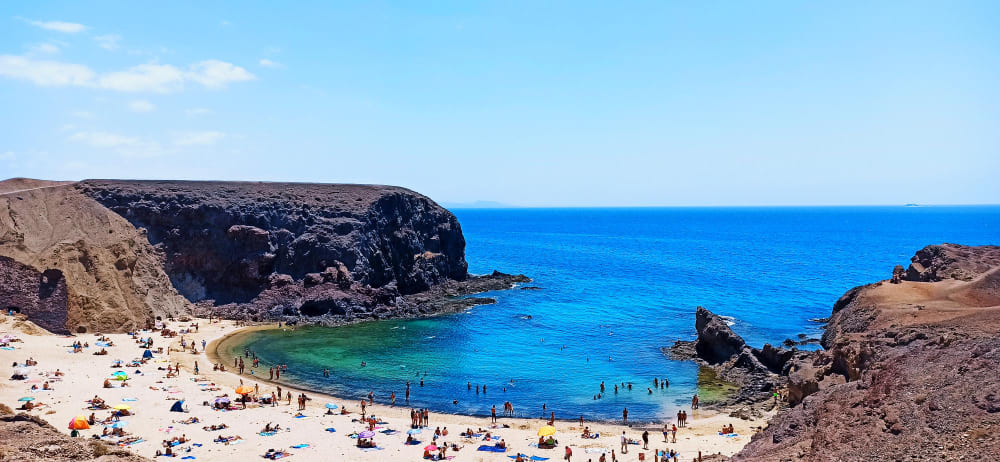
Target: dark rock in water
{"points": [[41, 296], [716, 341], [531, 288], [755, 371]]}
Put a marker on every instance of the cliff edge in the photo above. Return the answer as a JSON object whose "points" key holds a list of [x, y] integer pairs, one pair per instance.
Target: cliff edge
{"points": [[909, 369]]}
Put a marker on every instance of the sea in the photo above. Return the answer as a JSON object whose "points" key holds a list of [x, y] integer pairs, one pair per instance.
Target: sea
{"points": [[611, 287]]}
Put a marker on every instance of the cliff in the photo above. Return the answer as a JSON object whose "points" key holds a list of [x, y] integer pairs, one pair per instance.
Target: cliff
{"points": [[25, 437], [130, 251], [111, 277], [908, 370]]}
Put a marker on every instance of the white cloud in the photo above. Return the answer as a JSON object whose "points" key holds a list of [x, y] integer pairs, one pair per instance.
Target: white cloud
{"points": [[108, 42], [204, 138], [213, 73], [58, 26], [197, 111], [45, 73], [104, 139], [141, 105], [156, 78], [272, 64], [44, 48]]}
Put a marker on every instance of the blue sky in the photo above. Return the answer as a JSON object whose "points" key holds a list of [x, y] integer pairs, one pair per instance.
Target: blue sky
{"points": [[525, 103]]}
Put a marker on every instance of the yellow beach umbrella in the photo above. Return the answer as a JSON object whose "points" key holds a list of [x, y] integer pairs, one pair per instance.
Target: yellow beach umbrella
{"points": [[79, 423], [244, 390], [547, 430], [122, 407]]}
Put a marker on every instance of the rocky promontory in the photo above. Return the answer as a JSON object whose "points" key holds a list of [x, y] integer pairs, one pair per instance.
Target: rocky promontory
{"points": [[131, 251], [908, 371]]}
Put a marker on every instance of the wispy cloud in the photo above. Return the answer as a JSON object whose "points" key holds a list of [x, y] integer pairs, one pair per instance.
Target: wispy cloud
{"points": [[155, 78], [43, 48], [58, 26], [264, 62], [45, 73], [104, 139], [202, 138], [141, 105], [197, 111], [108, 42]]}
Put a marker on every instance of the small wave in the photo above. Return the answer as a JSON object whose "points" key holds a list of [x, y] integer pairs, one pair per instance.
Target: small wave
{"points": [[431, 336], [730, 321]]}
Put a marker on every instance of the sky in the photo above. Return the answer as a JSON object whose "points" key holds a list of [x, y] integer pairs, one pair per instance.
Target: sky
{"points": [[535, 103]]}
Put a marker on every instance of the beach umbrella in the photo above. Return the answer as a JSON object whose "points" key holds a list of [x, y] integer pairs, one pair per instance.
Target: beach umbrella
{"points": [[413, 431], [118, 424], [79, 423], [547, 430], [222, 400], [122, 407], [27, 398], [331, 406], [147, 354], [244, 390], [366, 434], [430, 448]]}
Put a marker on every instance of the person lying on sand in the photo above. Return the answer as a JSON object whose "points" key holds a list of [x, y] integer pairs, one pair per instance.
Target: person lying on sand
{"points": [[192, 420], [227, 439], [101, 353], [212, 428]]}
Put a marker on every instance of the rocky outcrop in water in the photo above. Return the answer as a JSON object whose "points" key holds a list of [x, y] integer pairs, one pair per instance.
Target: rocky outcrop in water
{"points": [[908, 370], [757, 372]]}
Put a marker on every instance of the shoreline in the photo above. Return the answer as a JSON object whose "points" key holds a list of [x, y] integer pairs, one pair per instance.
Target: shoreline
{"points": [[215, 357], [154, 392]]}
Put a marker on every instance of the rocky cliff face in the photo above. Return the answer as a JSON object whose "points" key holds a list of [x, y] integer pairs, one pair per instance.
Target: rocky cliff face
{"points": [[113, 278], [908, 370], [42, 295], [229, 242]]}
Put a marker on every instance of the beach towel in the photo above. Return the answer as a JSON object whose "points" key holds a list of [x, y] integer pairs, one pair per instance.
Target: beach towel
{"points": [[301, 416], [488, 448], [372, 449], [300, 446], [728, 435], [130, 400], [7, 348], [388, 432], [532, 458], [331, 429], [188, 457], [132, 443], [268, 433], [197, 445], [413, 443]]}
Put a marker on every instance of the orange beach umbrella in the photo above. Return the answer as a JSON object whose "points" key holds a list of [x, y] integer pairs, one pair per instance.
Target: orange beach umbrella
{"points": [[79, 423], [244, 390]]}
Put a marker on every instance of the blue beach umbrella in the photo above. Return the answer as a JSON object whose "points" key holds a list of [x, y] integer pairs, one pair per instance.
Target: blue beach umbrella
{"points": [[413, 431], [331, 406], [27, 398], [118, 424]]}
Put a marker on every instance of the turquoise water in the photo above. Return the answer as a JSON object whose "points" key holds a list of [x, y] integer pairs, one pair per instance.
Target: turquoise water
{"points": [[617, 285]]}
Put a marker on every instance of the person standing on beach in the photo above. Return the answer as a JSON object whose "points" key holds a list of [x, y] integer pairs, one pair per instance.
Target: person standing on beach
{"points": [[392, 398], [694, 401], [673, 431], [569, 453], [624, 443], [666, 430], [625, 416], [493, 413], [407, 391], [645, 439]]}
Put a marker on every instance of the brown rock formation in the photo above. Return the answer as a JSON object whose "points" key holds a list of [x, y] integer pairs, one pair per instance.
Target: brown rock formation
{"points": [[909, 370], [41, 296], [113, 276], [28, 438]]}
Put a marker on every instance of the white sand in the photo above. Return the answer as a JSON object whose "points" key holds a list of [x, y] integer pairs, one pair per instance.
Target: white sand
{"points": [[85, 374]]}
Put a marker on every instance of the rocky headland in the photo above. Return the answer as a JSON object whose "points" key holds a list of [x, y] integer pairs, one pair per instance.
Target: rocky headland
{"points": [[908, 370], [127, 252]]}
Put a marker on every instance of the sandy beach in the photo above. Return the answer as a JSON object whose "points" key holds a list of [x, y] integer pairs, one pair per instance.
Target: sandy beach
{"points": [[150, 394]]}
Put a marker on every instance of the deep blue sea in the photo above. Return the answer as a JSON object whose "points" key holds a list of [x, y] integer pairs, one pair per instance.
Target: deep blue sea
{"points": [[616, 286]]}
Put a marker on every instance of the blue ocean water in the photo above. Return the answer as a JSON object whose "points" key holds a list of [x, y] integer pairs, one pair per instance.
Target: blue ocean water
{"points": [[616, 286]]}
